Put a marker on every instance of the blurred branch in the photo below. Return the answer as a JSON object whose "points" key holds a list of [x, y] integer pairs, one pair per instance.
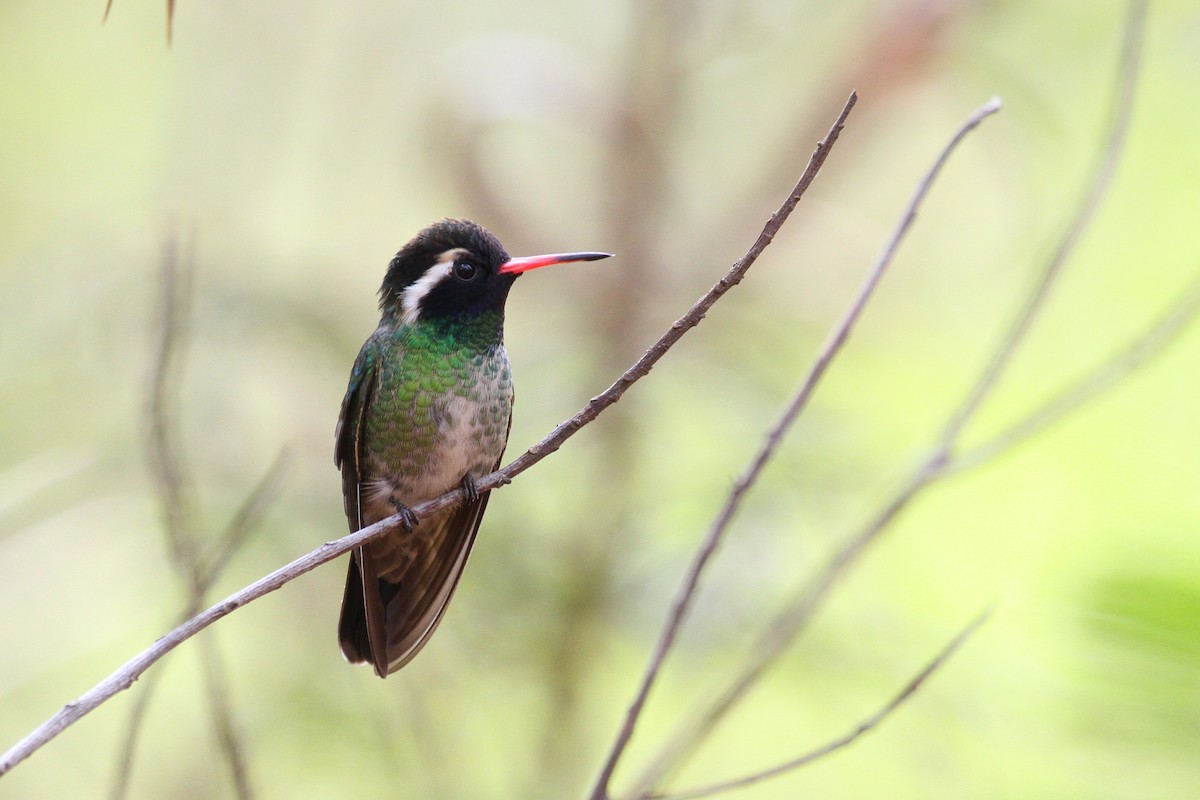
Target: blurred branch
{"points": [[896, 43], [1118, 127], [833, 344], [170, 17], [175, 492], [133, 730], [245, 520], [124, 677], [164, 454], [783, 629], [221, 706], [1163, 331], [845, 740]]}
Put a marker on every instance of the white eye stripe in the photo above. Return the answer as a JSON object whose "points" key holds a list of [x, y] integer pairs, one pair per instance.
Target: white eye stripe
{"points": [[416, 292]]}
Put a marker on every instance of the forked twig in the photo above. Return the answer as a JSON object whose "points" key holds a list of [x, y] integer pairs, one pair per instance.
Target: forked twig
{"points": [[125, 675], [1157, 336], [716, 533], [1120, 115], [848, 738]]}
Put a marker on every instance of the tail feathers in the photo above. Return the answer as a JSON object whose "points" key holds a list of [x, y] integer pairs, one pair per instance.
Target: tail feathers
{"points": [[362, 615], [352, 627], [385, 623]]}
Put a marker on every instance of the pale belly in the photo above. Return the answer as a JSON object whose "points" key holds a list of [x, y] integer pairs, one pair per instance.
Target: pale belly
{"points": [[469, 441]]}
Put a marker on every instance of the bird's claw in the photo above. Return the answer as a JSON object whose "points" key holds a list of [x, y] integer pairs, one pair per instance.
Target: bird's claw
{"points": [[407, 517], [470, 489]]}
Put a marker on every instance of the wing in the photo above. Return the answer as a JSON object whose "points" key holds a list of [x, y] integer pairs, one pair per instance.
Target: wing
{"points": [[362, 613], [348, 436]]}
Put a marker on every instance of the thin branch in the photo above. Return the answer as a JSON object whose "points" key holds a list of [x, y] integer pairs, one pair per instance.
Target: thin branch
{"points": [[170, 17], [867, 725], [133, 730], [1161, 333], [164, 452], [124, 676], [783, 629], [246, 519], [1120, 115], [716, 533], [891, 54], [229, 741]]}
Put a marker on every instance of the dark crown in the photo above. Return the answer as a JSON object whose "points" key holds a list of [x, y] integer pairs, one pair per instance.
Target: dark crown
{"points": [[424, 249]]}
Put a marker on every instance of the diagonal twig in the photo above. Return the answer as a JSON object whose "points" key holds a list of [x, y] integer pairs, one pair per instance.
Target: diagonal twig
{"points": [[129, 672], [1120, 115], [245, 520], [832, 746], [133, 731], [1161, 332], [783, 629], [170, 17], [833, 344]]}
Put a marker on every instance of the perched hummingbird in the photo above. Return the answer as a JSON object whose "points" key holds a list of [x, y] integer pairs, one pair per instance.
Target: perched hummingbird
{"points": [[428, 408]]}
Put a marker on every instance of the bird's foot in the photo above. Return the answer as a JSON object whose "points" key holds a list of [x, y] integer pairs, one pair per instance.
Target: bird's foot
{"points": [[470, 488], [407, 518]]}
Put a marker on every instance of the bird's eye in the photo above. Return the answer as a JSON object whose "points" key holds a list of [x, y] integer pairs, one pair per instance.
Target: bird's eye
{"points": [[465, 270]]}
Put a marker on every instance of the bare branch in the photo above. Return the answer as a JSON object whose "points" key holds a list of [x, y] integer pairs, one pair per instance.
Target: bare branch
{"points": [[164, 455], [892, 53], [833, 344], [133, 730], [170, 17], [1162, 332], [124, 676], [783, 629], [1101, 180], [245, 519], [867, 725], [228, 739]]}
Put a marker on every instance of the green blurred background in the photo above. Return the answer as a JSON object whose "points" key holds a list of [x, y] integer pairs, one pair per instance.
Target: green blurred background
{"points": [[293, 149]]}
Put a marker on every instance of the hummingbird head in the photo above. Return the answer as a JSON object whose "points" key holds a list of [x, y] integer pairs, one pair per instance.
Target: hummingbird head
{"points": [[455, 268]]}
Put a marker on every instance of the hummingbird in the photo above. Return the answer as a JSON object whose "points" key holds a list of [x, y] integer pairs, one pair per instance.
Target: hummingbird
{"points": [[428, 409]]}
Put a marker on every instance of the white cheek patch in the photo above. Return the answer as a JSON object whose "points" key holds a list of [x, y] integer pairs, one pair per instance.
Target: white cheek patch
{"points": [[415, 293]]}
